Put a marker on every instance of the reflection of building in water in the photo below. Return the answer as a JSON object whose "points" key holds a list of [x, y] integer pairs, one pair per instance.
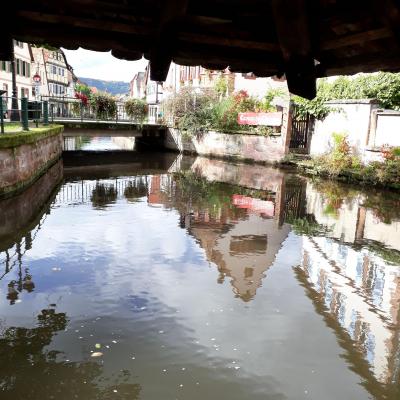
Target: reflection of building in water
{"points": [[159, 189], [362, 292], [242, 249], [354, 287], [239, 233]]}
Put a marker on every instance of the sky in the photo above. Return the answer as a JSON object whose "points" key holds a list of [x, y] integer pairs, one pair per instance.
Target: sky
{"points": [[102, 65]]}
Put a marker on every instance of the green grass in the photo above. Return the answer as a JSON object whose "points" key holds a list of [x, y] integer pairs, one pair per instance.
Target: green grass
{"points": [[13, 138]]}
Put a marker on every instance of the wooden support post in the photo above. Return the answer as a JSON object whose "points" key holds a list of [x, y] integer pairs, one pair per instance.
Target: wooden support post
{"points": [[293, 29], [165, 37]]}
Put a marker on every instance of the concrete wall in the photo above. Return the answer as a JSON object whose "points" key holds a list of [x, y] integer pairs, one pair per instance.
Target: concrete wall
{"points": [[387, 130], [238, 146], [21, 164], [255, 148], [353, 117]]}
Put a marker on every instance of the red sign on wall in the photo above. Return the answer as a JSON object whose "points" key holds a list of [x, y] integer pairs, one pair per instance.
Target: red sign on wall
{"points": [[262, 118]]}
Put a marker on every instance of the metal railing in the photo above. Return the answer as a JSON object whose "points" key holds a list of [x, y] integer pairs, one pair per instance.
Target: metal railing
{"points": [[71, 108], [59, 108], [21, 111]]}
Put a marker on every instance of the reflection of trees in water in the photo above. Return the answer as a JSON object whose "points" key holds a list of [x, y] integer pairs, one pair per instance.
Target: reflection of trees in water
{"points": [[103, 195], [29, 371], [136, 190]]}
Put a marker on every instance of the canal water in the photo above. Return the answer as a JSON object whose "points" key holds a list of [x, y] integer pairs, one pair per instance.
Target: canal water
{"points": [[169, 277]]}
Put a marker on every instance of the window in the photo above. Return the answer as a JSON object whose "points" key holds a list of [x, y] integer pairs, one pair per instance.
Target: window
{"points": [[3, 66], [17, 63], [5, 87], [22, 92], [28, 70], [23, 68]]}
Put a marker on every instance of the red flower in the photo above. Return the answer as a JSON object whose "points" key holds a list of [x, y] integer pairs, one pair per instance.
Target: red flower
{"points": [[82, 97]]}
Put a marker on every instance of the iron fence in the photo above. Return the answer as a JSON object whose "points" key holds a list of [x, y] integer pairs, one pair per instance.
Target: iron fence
{"points": [[71, 108], [19, 112]]}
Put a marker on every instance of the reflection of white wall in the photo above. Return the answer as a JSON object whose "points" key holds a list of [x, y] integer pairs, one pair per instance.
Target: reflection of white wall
{"points": [[344, 224], [358, 288], [388, 234]]}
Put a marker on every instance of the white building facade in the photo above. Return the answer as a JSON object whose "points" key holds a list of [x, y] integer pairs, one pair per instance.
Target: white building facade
{"points": [[23, 62]]}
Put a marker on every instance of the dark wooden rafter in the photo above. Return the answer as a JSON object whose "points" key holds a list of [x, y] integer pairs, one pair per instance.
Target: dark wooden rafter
{"points": [[301, 39], [389, 12], [292, 21], [170, 14]]}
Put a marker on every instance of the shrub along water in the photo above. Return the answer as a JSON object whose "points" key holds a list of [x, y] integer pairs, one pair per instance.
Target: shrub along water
{"points": [[194, 112], [136, 109], [342, 164]]}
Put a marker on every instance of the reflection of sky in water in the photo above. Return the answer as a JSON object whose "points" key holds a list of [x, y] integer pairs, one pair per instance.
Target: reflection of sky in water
{"points": [[107, 143], [129, 278]]}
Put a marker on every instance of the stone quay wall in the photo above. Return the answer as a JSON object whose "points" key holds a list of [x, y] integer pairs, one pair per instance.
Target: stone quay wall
{"points": [[25, 156]]}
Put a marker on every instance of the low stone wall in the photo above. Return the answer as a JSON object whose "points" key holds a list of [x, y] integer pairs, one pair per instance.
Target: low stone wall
{"points": [[254, 148], [26, 156]]}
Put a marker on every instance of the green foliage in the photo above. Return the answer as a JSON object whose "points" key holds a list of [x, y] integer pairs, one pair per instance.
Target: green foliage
{"points": [[340, 158], [136, 109], [103, 105], [308, 226], [83, 89], [315, 107], [188, 110], [383, 86], [221, 85], [198, 112], [341, 163], [266, 103]]}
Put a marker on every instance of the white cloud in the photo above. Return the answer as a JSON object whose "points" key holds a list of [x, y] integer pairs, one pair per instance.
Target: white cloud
{"points": [[102, 65]]}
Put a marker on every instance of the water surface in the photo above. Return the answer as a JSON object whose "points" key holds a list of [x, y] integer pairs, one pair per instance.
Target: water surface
{"points": [[178, 278]]}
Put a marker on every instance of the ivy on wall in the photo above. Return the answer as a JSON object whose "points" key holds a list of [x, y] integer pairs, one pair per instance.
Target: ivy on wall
{"points": [[383, 86]]}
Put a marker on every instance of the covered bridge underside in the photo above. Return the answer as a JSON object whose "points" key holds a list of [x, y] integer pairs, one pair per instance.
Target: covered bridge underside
{"points": [[303, 39]]}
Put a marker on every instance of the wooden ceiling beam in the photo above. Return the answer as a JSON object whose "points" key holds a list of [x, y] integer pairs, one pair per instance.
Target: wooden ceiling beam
{"points": [[356, 39], [79, 22], [227, 41], [389, 12], [292, 22]]}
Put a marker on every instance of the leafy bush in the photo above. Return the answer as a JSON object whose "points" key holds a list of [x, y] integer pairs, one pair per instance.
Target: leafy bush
{"points": [[103, 105], [136, 109], [83, 89], [196, 112], [188, 110], [342, 163], [384, 87]]}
